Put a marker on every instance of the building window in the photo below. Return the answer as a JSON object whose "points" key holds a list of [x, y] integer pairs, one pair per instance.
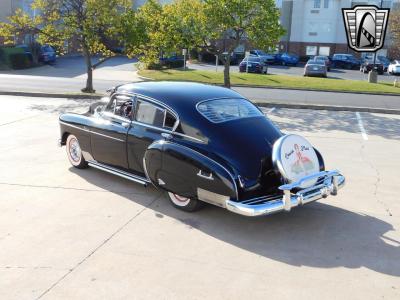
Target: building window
{"points": [[317, 3], [326, 3], [324, 51], [311, 50]]}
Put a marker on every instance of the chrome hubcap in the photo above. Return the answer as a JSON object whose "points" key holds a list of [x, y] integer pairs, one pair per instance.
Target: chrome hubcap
{"points": [[74, 150]]}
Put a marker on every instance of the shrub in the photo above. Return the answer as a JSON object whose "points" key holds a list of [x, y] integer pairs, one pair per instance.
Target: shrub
{"points": [[19, 61], [6, 52]]}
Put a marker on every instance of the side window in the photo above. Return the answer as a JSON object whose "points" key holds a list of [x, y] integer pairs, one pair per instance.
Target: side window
{"points": [[169, 121], [121, 106], [150, 114], [253, 52]]}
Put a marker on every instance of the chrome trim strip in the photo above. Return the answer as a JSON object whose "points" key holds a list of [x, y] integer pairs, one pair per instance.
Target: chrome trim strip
{"points": [[74, 126], [288, 200], [167, 131], [107, 136], [87, 130], [226, 170], [118, 172]]}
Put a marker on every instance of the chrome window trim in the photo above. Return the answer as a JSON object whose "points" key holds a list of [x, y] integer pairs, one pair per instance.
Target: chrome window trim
{"points": [[226, 170], [172, 111], [154, 101], [90, 131]]}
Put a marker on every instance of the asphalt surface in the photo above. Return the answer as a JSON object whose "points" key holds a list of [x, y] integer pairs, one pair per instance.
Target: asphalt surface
{"points": [[298, 71], [83, 234]]}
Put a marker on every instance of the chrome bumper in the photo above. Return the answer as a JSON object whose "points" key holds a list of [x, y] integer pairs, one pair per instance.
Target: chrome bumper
{"points": [[329, 182]]}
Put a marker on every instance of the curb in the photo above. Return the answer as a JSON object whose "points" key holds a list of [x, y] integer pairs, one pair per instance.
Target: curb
{"points": [[328, 107], [257, 102], [51, 95], [313, 90]]}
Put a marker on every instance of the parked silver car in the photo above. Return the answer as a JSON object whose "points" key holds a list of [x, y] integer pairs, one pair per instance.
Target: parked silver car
{"points": [[315, 67]]}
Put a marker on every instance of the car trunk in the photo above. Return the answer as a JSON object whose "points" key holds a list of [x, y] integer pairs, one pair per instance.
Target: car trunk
{"points": [[246, 145]]}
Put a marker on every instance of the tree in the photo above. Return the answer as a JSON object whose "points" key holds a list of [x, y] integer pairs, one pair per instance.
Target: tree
{"points": [[92, 23], [394, 27], [147, 29], [235, 20]]}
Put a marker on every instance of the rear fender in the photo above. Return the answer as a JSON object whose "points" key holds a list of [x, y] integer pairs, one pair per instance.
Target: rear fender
{"points": [[186, 172]]}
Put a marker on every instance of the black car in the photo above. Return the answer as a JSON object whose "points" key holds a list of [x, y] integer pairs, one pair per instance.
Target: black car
{"points": [[253, 64], [199, 143], [345, 61], [368, 65]]}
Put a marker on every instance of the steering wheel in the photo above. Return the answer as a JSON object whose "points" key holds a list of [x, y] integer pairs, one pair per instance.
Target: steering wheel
{"points": [[126, 109]]}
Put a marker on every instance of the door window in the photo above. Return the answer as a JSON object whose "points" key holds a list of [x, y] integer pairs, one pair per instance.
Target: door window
{"points": [[121, 106], [151, 114]]}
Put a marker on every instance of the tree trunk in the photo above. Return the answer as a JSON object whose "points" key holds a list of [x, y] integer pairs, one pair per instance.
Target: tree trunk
{"points": [[227, 64], [89, 71]]}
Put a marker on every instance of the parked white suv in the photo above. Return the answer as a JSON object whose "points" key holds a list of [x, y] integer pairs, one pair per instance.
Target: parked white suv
{"points": [[394, 67]]}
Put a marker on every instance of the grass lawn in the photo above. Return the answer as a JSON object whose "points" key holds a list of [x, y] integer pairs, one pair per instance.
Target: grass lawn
{"points": [[272, 81]]}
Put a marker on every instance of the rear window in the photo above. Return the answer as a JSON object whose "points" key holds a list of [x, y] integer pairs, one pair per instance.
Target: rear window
{"points": [[223, 110], [253, 59]]}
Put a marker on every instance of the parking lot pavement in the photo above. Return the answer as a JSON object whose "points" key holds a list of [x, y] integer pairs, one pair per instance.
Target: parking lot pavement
{"points": [[83, 234], [298, 71]]}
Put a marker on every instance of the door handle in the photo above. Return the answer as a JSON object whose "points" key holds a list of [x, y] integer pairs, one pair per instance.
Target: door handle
{"points": [[166, 135], [208, 177]]}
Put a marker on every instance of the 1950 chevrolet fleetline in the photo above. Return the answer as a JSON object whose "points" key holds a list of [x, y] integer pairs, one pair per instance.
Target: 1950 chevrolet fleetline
{"points": [[199, 143]]}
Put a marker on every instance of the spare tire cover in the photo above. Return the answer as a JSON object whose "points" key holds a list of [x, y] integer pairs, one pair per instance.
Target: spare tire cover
{"points": [[295, 158]]}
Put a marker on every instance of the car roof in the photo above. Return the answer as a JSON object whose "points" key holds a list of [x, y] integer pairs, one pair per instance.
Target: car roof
{"points": [[180, 96]]}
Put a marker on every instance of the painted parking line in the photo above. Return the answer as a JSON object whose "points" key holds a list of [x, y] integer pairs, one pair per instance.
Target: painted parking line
{"points": [[271, 110], [361, 126]]}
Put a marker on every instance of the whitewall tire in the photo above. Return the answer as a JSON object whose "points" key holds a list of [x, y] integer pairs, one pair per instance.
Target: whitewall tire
{"points": [[74, 152], [184, 203]]}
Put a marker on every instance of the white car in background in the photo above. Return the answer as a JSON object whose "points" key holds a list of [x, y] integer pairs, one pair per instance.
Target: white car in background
{"points": [[394, 67]]}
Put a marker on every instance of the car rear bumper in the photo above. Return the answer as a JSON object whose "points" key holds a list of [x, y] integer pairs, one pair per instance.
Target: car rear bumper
{"points": [[315, 73], [328, 184]]}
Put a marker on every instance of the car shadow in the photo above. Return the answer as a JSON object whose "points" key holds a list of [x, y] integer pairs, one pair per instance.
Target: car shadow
{"points": [[318, 235]]}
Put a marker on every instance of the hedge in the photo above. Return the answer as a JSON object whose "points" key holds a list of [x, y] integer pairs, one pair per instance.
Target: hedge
{"points": [[10, 56]]}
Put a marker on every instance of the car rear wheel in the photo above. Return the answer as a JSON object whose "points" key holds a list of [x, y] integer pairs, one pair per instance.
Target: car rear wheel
{"points": [[184, 203], [74, 152]]}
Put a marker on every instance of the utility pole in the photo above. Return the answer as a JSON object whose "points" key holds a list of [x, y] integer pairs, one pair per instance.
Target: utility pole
{"points": [[376, 51]]}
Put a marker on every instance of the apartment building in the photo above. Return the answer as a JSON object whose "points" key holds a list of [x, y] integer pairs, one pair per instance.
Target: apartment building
{"points": [[316, 26]]}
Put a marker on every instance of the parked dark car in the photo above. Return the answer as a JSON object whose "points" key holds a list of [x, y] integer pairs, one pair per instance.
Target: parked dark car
{"points": [[47, 54], [368, 65], [199, 143], [326, 59], [345, 61], [287, 59], [384, 61], [268, 58], [255, 65], [172, 61], [235, 59], [316, 68]]}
